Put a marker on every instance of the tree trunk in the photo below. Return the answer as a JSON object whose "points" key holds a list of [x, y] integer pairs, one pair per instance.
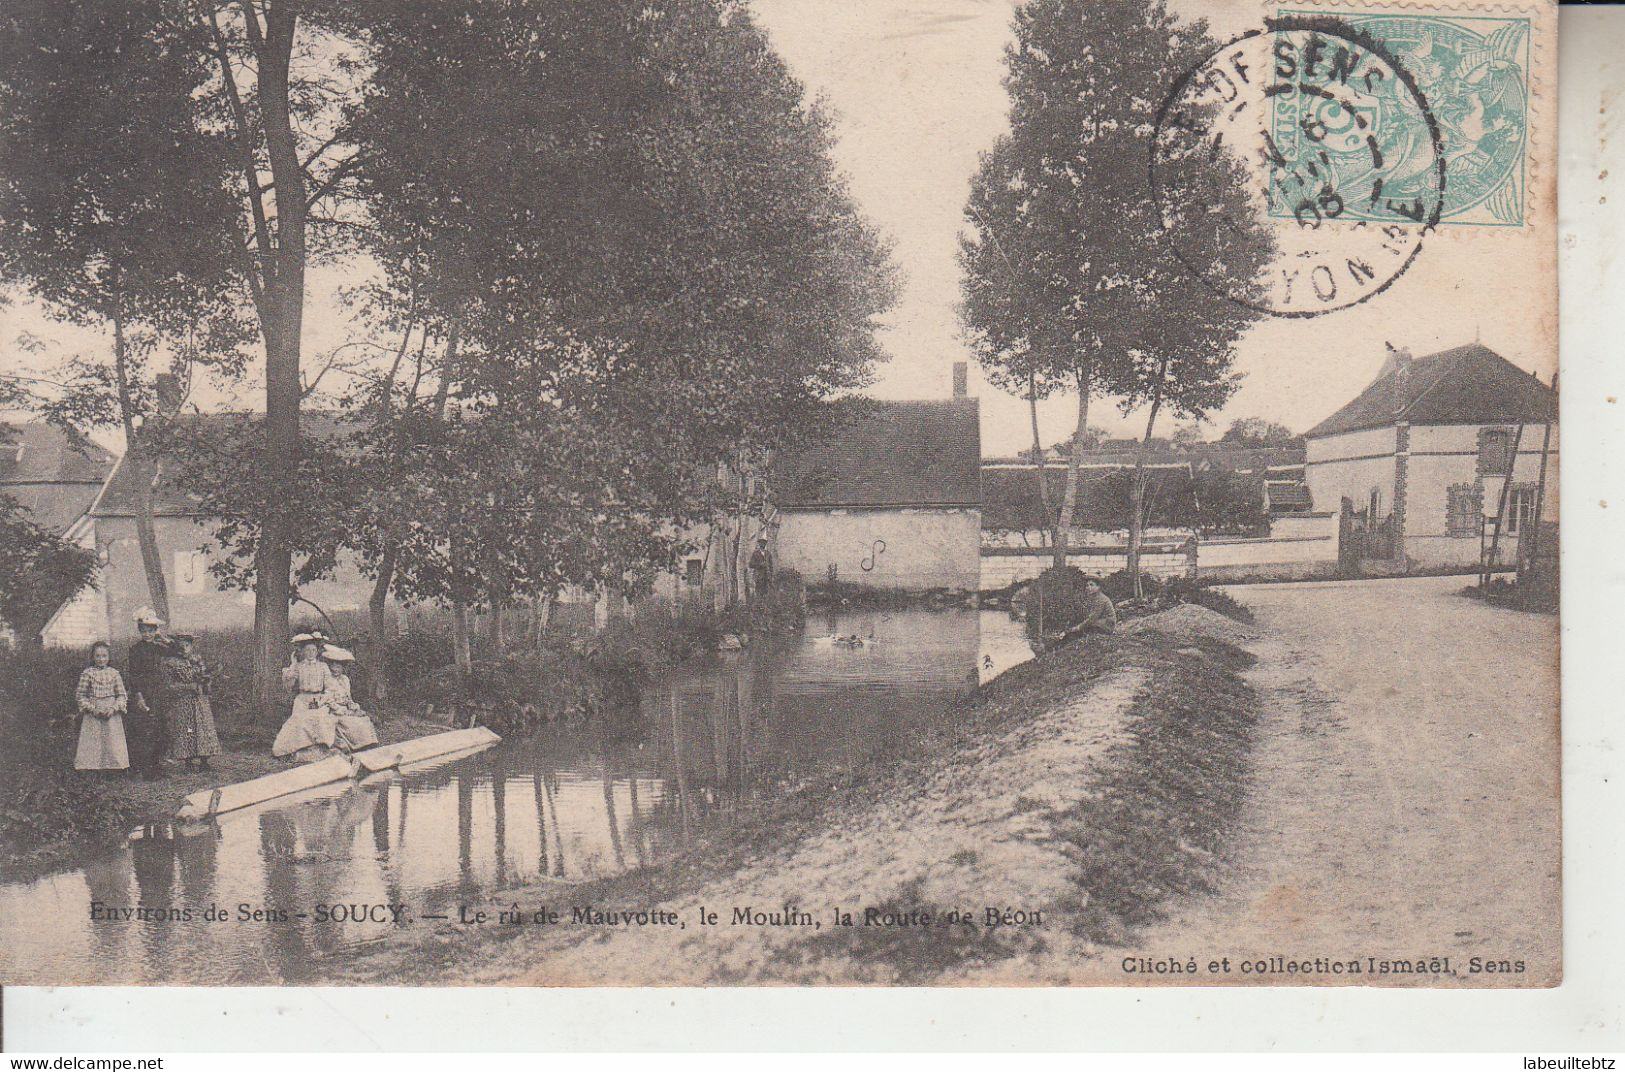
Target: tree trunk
{"points": [[499, 638], [1038, 459], [1136, 521], [1069, 501], [461, 652], [144, 469], [282, 329], [378, 625]]}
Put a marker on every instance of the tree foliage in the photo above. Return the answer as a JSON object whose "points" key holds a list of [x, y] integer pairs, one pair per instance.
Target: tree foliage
{"points": [[1257, 432], [633, 269], [1069, 278], [39, 571]]}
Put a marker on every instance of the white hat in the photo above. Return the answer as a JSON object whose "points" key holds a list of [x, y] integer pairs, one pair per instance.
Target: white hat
{"points": [[147, 616], [301, 638], [335, 654]]}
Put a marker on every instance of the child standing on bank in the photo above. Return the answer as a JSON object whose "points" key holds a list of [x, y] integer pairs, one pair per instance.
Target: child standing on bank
{"points": [[102, 704]]}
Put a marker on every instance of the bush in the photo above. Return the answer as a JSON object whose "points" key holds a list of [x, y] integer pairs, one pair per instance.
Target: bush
{"points": [[43, 800], [1059, 598], [414, 657]]}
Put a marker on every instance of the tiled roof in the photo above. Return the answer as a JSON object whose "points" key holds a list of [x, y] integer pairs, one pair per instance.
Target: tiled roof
{"points": [[1206, 456], [169, 500], [1289, 496], [1466, 385], [889, 454], [37, 452], [52, 474]]}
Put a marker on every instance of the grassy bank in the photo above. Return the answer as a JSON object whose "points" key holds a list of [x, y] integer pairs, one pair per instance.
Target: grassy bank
{"points": [[1098, 784]]}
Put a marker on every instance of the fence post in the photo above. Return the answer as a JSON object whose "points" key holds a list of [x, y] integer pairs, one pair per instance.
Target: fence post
{"points": [[1190, 557]]}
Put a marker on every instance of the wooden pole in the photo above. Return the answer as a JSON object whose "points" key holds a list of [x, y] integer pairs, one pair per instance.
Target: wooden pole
{"points": [[1501, 509]]}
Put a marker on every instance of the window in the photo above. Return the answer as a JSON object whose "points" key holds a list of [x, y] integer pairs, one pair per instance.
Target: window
{"points": [[1520, 506], [191, 573], [1464, 509], [694, 572], [1494, 451]]}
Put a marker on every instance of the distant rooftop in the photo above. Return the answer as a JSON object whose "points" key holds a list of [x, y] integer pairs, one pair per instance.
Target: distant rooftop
{"points": [[53, 474], [925, 453]]}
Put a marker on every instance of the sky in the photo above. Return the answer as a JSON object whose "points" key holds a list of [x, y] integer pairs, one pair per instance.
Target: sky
{"points": [[915, 86]]}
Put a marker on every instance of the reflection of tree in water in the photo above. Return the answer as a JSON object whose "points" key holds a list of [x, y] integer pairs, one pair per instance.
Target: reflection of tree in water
{"points": [[284, 948], [108, 877], [153, 856]]}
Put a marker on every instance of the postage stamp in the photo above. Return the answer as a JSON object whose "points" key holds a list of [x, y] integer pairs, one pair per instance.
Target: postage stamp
{"points": [[1346, 161], [1471, 74]]}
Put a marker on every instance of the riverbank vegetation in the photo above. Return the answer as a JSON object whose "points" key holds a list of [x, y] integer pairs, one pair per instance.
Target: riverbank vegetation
{"points": [[1055, 601]]}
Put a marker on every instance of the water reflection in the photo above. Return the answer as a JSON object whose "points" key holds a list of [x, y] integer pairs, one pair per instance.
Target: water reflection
{"points": [[257, 895]]}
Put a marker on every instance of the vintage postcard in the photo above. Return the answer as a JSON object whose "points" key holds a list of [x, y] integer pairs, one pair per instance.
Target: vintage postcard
{"points": [[699, 492]]}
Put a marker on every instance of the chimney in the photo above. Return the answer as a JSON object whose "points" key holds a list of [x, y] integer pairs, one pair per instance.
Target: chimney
{"points": [[961, 374], [168, 389], [1400, 362]]}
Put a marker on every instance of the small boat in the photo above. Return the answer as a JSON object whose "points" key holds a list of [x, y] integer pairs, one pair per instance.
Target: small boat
{"points": [[206, 803]]}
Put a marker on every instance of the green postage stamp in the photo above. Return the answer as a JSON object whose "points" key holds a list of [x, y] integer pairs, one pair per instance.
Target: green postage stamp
{"points": [[1471, 76]]}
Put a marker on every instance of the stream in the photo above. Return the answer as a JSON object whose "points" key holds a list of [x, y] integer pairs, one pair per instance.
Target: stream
{"points": [[307, 875]]}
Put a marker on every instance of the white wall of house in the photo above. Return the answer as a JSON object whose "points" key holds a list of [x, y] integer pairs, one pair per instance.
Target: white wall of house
{"points": [[195, 599], [82, 620], [1351, 465], [924, 547], [1443, 456]]}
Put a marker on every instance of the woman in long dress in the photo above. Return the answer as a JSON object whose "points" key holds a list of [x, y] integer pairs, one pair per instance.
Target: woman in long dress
{"points": [[310, 724], [102, 704], [355, 729], [187, 712]]}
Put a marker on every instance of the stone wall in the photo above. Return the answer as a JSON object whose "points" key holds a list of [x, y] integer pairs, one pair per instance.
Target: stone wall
{"points": [[905, 548]]}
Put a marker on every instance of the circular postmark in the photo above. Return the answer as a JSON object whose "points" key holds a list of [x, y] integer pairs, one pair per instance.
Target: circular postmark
{"points": [[1314, 130]]}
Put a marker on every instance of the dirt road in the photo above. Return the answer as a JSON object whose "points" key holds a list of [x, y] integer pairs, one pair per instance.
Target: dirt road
{"points": [[1405, 805]]}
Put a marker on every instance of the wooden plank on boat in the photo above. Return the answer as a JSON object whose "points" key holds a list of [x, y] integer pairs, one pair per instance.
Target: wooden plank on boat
{"points": [[206, 802], [389, 756]]}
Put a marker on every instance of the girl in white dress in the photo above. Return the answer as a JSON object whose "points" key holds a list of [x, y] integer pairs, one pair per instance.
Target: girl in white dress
{"points": [[102, 704]]}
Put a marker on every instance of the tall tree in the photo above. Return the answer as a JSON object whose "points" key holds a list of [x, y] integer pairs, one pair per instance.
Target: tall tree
{"points": [[281, 68], [647, 260], [113, 210], [1064, 195]]}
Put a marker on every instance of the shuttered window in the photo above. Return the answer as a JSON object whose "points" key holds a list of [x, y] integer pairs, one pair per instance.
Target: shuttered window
{"points": [[1464, 509], [1494, 451]]}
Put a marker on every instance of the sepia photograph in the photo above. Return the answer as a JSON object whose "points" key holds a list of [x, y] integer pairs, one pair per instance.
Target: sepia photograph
{"points": [[779, 493]]}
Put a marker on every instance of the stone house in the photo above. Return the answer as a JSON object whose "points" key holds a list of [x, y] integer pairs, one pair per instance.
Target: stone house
{"points": [[1419, 460], [57, 477], [890, 500], [184, 532]]}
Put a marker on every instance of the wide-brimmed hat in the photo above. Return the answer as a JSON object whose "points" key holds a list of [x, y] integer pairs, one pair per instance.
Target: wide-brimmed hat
{"points": [[335, 654], [303, 638], [147, 616]]}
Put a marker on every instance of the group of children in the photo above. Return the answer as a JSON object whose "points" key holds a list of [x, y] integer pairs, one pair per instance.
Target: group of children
{"points": [[164, 714], [165, 711]]}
